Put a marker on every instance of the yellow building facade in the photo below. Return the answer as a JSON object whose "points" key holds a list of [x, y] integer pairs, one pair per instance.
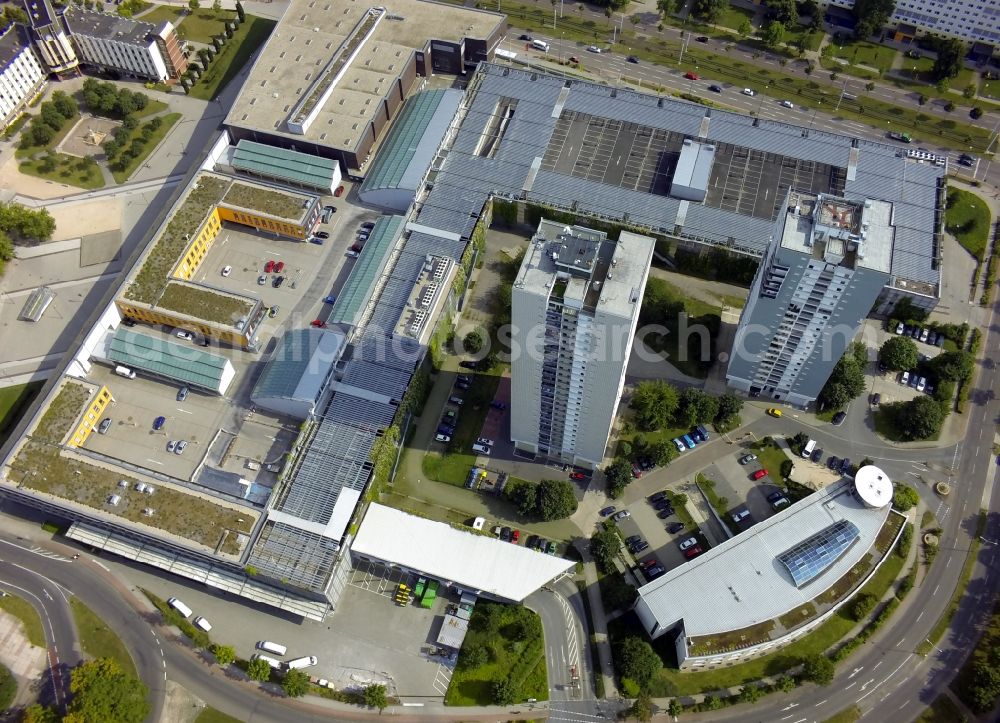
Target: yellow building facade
{"points": [[91, 417]]}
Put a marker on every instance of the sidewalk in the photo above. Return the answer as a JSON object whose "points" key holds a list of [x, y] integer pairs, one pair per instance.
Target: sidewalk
{"points": [[598, 620]]}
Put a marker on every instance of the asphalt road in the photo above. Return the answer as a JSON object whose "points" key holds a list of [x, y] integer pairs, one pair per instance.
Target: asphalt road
{"points": [[52, 604]]}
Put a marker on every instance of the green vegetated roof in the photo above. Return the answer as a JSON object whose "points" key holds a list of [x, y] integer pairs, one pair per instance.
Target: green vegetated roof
{"points": [[282, 163], [404, 140], [152, 278], [203, 303], [62, 413], [369, 267], [266, 201], [181, 362]]}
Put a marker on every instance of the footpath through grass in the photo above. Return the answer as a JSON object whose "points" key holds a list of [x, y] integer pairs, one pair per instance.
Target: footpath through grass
{"points": [[13, 403], [98, 640], [968, 219], [22, 610]]}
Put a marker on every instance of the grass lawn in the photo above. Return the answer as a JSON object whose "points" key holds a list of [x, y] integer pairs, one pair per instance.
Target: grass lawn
{"points": [[22, 610], [211, 715], [98, 640], [848, 715], [159, 13], [204, 24], [512, 645], [67, 170], [864, 53], [152, 108], [682, 511], [968, 219], [963, 683], [56, 140], [154, 140], [833, 64], [733, 302], [732, 17], [234, 56], [942, 710], [885, 425], [13, 402], [683, 344], [770, 458], [673, 682]]}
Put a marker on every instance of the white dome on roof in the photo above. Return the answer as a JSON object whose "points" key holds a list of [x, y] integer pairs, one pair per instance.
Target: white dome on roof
{"points": [[873, 486]]}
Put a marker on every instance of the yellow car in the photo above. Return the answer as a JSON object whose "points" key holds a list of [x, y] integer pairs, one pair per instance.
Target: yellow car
{"points": [[774, 412]]}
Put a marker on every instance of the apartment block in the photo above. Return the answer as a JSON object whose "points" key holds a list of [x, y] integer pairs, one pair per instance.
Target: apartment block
{"points": [[828, 260], [110, 42], [575, 307], [970, 20], [22, 76], [51, 38]]}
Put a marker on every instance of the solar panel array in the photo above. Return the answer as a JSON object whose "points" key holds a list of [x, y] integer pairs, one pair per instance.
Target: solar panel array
{"points": [[810, 558]]}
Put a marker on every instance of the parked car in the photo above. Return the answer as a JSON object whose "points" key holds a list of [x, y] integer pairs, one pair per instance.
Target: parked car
{"points": [[577, 475], [839, 418], [262, 279], [817, 455], [904, 378], [514, 536], [648, 563], [331, 299], [632, 539], [318, 323], [921, 383], [466, 364], [679, 444], [498, 405], [273, 311], [278, 281], [505, 534], [657, 497], [688, 441], [780, 502], [747, 458], [368, 225], [269, 267], [159, 422], [845, 465], [674, 527], [655, 571], [442, 437], [104, 426], [740, 515], [939, 341], [485, 440], [876, 399], [226, 270], [457, 401], [636, 470], [833, 463], [609, 510], [924, 335], [693, 552], [181, 446], [900, 328], [171, 445], [688, 543], [622, 515], [775, 495], [182, 394], [640, 546], [186, 335], [524, 36], [339, 192], [665, 513], [323, 234], [759, 474], [663, 505]]}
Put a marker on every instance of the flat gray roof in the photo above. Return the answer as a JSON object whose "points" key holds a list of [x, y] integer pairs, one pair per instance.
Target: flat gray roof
{"points": [[743, 577], [108, 27]]}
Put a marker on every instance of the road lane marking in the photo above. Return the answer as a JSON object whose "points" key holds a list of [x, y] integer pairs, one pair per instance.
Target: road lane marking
{"points": [[820, 703], [935, 590], [919, 616], [851, 685]]}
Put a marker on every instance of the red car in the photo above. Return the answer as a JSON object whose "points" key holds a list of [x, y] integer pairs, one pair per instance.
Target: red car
{"points": [[691, 76], [693, 552], [759, 473], [514, 535], [339, 192], [577, 475], [278, 267], [318, 324], [269, 267]]}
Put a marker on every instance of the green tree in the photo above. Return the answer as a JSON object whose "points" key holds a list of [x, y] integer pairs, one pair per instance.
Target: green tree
{"points": [[663, 452], [259, 670], [556, 499], [784, 12], [25, 224], [6, 247], [224, 654], [847, 381], [745, 29], [522, 494], [39, 714], [695, 407], [102, 693], [374, 695], [217, 5], [751, 693], [729, 408], [64, 104], [709, 10], [862, 605], [654, 403], [675, 707], [666, 7], [953, 366], [919, 418], [636, 659], [473, 656], [505, 692], [617, 475], [642, 708], [14, 14], [950, 58], [871, 16], [818, 669], [295, 683], [899, 353], [473, 341], [193, 5], [786, 684], [38, 134], [904, 497], [604, 547]]}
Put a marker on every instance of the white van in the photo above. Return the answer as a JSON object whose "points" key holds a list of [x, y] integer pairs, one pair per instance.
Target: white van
{"points": [[276, 665], [808, 449], [124, 372], [203, 623], [179, 607], [303, 662], [269, 647], [540, 45]]}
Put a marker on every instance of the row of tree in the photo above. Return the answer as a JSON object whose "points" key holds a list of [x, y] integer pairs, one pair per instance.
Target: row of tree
{"points": [[658, 405], [104, 98], [99, 692], [847, 380], [550, 499]]}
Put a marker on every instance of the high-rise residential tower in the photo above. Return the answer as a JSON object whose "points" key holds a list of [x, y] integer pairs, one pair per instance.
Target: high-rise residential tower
{"points": [[826, 264], [575, 307]]}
